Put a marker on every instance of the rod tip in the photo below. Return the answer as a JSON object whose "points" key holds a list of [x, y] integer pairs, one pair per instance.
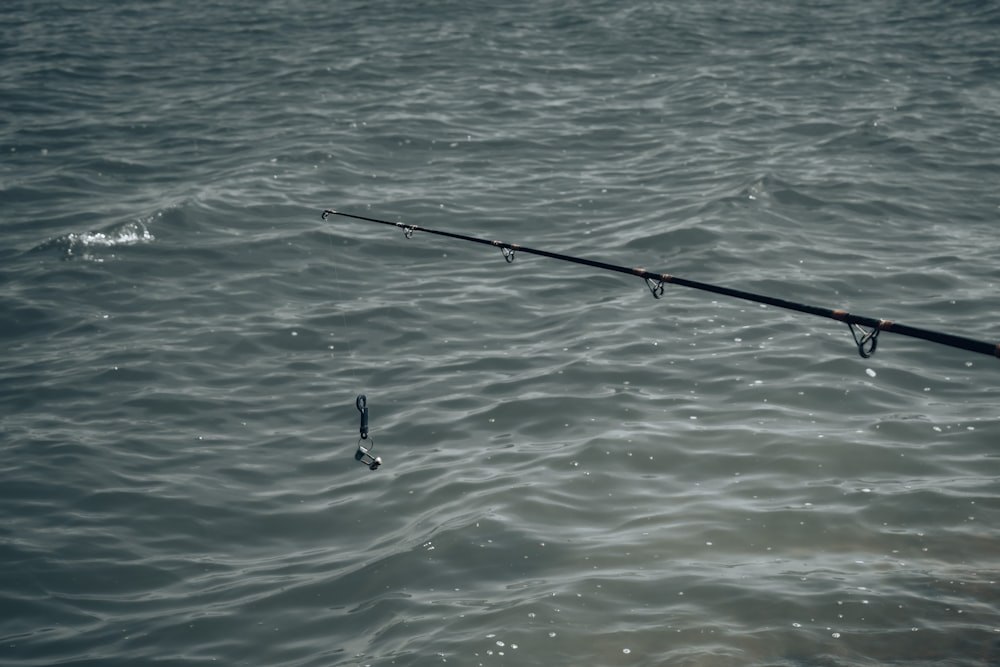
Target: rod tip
{"points": [[328, 212]]}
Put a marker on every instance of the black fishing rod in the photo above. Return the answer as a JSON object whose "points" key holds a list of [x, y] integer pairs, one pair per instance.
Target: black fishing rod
{"points": [[865, 330]]}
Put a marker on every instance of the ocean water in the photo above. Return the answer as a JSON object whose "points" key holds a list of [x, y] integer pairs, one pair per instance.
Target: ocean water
{"points": [[574, 472]]}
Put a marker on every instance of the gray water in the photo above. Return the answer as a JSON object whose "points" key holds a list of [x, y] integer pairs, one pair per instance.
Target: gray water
{"points": [[574, 473]]}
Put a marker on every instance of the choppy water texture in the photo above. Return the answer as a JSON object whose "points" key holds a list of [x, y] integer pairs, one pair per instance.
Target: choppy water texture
{"points": [[575, 473]]}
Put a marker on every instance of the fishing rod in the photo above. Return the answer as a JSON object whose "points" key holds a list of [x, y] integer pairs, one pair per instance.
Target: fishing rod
{"points": [[865, 330]]}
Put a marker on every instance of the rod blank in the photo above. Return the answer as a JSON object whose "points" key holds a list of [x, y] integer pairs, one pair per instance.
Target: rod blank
{"points": [[864, 329]]}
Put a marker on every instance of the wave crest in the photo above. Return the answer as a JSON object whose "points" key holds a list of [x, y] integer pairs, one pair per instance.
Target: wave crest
{"points": [[88, 245]]}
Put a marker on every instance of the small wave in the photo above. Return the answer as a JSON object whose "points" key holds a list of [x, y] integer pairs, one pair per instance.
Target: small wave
{"points": [[87, 245], [769, 187]]}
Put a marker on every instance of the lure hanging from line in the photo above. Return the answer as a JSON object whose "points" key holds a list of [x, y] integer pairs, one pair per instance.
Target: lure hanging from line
{"points": [[364, 453], [865, 330]]}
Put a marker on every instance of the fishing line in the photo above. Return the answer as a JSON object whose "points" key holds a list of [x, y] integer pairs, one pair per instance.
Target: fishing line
{"points": [[865, 330], [363, 453]]}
